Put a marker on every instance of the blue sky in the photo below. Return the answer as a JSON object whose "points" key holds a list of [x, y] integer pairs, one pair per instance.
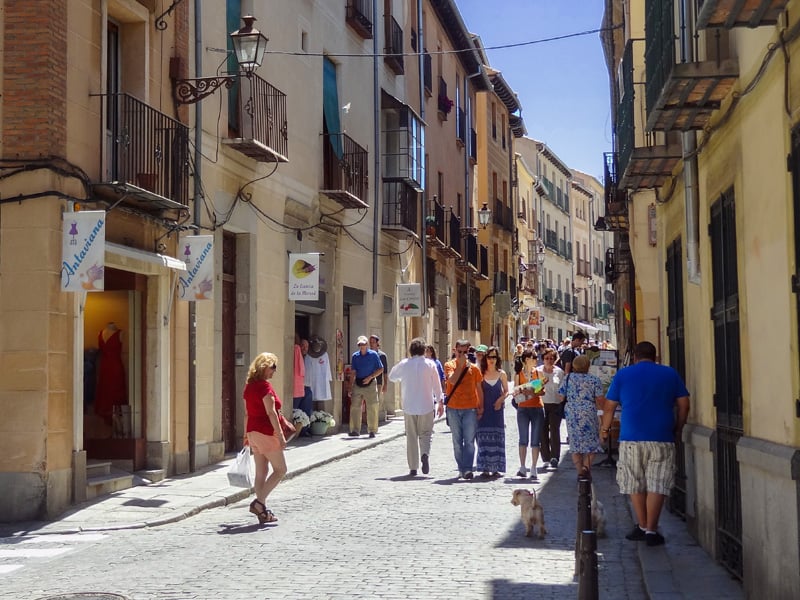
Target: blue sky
{"points": [[562, 85]]}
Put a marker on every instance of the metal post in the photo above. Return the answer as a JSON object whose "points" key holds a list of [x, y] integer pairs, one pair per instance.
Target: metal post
{"points": [[587, 569], [584, 512]]}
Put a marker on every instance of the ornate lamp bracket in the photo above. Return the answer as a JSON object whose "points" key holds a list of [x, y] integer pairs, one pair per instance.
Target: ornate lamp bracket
{"points": [[161, 24]]}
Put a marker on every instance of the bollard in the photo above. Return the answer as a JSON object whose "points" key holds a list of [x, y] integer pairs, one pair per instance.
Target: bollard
{"points": [[587, 571], [584, 512]]}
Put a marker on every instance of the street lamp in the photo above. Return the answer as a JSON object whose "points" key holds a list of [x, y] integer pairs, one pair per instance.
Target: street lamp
{"points": [[249, 45], [484, 215]]}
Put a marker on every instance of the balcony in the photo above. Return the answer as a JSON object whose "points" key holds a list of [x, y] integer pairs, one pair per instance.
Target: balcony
{"points": [[403, 152], [738, 13], [616, 199], [394, 45], [147, 156], [551, 239], [359, 17], [683, 95], [443, 102], [483, 265], [461, 127], [345, 170], [427, 74], [435, 224], [262, 121], [400, 215], [646, 163], [469, 253], [473, 146], [452, 245], [500, 283]]}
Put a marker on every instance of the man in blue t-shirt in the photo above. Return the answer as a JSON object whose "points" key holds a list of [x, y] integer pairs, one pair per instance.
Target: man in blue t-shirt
{"points": [[365, 366], [649, 425]]}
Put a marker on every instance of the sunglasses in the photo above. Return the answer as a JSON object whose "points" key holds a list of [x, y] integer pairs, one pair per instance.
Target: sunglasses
{"points": [[492, 356], [461, 351]]}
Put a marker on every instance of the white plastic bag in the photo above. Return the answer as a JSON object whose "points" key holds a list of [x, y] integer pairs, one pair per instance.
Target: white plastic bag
{"points": [[239, 471]]}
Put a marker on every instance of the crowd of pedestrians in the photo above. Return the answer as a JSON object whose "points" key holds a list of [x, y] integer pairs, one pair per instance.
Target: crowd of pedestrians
{"points": [[549, 384]]}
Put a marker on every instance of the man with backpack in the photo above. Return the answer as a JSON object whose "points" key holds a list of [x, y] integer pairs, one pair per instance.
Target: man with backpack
{"points": [[573, 350]]}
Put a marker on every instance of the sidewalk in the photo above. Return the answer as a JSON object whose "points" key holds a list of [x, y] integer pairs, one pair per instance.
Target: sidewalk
{"points": [[679, 569]]}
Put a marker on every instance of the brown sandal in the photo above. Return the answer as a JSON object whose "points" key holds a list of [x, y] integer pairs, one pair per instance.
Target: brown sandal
{"points": [[264, 514]]}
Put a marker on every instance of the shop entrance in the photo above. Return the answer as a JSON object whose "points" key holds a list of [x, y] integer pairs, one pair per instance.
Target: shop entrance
{"points": [[113, 407]]}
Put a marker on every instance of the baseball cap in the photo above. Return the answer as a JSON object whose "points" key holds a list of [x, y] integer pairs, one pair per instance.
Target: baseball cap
{"points": [[482, 348], [362, 339]]}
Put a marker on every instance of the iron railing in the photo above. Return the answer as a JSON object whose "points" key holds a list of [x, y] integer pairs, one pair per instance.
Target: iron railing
{"points": [[359, 16], [427, 73], [484, 262], [263, 118], [660, 48], [394, 45], [434, 220], [626, 126], [473, 145], [729, 501], [461, 125], [454, 231], [400, 203], [147, 148], [345, 166]]}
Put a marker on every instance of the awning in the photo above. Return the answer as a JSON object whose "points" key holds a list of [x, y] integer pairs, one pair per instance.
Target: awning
{"points": [[160, 259], [586, 327]]}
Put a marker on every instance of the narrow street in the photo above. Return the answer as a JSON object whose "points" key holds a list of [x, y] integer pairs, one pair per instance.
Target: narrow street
{"points": [[355, 528]]}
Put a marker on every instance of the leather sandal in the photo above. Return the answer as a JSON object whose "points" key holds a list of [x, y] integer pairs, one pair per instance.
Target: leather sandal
{"points": [[262, 512]]}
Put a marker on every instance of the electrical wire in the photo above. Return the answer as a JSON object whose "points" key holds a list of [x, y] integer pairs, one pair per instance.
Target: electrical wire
{"points": [[443, 52]]}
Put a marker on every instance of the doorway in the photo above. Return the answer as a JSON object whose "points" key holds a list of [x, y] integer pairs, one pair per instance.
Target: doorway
{"points": [[114, 411]]}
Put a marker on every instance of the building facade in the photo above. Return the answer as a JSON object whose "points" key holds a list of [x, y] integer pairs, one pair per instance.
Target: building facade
{"points": [[704, 215]]}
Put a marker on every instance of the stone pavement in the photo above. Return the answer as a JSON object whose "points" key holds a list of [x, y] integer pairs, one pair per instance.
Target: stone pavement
{"points": [[680, 569]]}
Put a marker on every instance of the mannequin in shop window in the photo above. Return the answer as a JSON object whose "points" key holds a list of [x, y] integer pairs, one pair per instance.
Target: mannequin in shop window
{"points": [[111, 390]]}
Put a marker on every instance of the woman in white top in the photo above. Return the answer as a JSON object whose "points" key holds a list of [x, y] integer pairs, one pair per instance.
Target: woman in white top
{"points": [[550, 442]]}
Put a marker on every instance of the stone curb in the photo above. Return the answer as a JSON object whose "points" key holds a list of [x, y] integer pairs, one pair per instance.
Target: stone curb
{"points": [[224, 500]]}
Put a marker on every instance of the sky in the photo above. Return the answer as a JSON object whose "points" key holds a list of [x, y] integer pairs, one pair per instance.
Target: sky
{"points": [[562, 85]]}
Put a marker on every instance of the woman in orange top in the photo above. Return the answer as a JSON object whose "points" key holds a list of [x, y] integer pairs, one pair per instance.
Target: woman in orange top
{"points": [[530, 414], [263, 432]]}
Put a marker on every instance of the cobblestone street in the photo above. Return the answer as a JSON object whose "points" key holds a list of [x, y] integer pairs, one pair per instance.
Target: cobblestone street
{"points": [[357, 527]]}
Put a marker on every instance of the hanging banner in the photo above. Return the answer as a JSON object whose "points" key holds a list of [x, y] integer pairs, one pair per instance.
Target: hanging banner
{"points": [[533, 317], [409, 299], [198, 281], [83, 244], [304, 276]]}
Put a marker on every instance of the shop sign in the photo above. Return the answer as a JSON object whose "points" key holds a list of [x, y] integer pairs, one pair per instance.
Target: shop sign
{"points": [[197, 283], [304, 276], [409, 299], [83, 246]]}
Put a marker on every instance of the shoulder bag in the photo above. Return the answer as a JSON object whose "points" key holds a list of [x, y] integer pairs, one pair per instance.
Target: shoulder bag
{"points": [[453, 391]]}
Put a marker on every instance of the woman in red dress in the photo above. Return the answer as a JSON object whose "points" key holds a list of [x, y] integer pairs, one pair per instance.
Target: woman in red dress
{"points": [[263, 432]]}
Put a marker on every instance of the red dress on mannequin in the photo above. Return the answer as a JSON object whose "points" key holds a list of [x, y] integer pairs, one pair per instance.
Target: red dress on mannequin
{"points": [[111, 389]]}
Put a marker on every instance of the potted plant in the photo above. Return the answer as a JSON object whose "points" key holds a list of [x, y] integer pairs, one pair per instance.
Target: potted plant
{"points": [[300, 419], [430, 226], [320, 422], [445, 104]]}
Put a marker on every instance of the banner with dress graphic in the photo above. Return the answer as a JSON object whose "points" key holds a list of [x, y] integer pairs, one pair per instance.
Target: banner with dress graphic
{"points": [[197, 283], [83, 246]]}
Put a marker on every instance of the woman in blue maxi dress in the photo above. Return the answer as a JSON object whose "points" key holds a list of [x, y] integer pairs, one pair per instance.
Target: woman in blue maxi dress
{"points": [[583, 393], [490, 434]]}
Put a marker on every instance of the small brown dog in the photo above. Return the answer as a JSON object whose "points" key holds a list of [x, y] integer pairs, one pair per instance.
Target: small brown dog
{"points": [[531, 511]]}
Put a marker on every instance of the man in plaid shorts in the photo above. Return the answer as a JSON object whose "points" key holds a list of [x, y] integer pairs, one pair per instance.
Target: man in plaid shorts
{"points": [[648, 393]]}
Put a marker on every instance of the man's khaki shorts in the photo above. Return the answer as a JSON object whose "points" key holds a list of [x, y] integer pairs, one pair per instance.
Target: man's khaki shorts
{"points": [[646, 467]]}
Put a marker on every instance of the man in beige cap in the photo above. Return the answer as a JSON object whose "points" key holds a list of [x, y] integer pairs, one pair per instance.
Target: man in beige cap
{"points": [[365, 366]]}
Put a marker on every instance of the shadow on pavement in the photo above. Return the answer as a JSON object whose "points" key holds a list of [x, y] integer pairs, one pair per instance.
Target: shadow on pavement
{"points": [[502, 589], [236, 528]]}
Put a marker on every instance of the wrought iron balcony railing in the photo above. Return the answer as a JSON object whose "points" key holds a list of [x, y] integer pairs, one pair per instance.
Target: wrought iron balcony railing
{"points": [[147, 155], [262, 122], [345, 170], [394, 45], [435, 223], [359, 17], [427, 73], [483, 269], [616, 199], [683, 86], [473, 145], [400, 215]]}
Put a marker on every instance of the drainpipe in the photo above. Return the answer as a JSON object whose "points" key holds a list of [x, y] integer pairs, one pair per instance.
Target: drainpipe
{"points": [[421, 64], [690, 183], [376, 212], [198, 143]]}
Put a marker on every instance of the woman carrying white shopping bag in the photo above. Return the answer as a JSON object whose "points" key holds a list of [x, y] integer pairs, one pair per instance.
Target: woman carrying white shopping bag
{"points": [[264, 432]]}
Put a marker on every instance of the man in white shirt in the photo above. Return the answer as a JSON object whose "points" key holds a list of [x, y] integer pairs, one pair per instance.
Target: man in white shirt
{"points": [[420, 389]]}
